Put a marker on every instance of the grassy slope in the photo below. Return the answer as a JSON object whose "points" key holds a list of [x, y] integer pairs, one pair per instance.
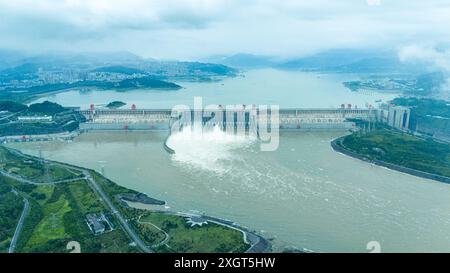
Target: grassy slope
{"points": [[11, 206], [402, 149], [33, 169], [60, 217], [207, 238], [57, 216]]}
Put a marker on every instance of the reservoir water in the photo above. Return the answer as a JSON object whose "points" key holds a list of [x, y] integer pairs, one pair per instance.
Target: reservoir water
{"points": [[265, 86], [303, 195]]}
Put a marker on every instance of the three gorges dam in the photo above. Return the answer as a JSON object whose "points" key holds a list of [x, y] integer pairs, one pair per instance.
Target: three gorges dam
{"points": [[244, 118]]}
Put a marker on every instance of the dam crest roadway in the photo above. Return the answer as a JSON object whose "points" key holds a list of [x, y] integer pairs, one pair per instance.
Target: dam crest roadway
{"points": [[289, 119]]}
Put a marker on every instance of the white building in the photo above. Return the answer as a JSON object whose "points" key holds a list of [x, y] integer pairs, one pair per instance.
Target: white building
{"points": [[35, 119], [398, 117]]}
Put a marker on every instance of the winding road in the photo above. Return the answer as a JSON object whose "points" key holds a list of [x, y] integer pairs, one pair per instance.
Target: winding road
{"points": [[167, 236], [26, 210], [95, 187], [133, 235]]}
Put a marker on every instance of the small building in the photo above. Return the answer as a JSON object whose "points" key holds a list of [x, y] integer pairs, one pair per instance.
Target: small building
{"points": [[95, 223], [398, 117], [35, 118]]}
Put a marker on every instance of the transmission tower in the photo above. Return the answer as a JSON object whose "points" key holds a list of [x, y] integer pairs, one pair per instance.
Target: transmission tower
{"points": [[45, 164]]}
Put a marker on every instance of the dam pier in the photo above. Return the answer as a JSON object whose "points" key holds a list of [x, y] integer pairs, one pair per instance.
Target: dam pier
{"points": [[245, 120], [162, 119]]}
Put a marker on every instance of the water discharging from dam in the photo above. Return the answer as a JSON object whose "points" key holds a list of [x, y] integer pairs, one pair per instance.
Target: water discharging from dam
{"points": [[209, 149]]}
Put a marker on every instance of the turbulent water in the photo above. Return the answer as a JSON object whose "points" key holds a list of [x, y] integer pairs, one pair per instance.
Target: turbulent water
{"points": [[213, 150], [303, 195]]}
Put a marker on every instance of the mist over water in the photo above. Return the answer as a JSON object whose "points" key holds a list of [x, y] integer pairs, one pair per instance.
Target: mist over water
{"points": [[210, 149]]}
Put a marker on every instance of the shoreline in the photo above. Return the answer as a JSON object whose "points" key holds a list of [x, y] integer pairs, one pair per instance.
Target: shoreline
{"points": [[337, 146], [258, 244]]}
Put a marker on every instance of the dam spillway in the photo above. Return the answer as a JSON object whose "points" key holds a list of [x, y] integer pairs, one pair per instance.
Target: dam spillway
{"points": [[162, 119]]}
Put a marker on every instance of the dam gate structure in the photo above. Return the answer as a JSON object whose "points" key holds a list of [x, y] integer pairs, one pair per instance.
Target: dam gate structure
{"points": [[163, 119]]}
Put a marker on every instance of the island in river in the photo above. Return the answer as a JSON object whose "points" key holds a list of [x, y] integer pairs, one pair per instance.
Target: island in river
{"points": [[115, 104]]}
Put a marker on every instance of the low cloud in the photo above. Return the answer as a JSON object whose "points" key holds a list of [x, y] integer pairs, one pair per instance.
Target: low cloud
{"points": [[190, 29], [430, 56], [426, 54]]}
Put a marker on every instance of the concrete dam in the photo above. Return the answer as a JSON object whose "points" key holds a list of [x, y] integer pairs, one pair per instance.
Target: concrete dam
{"points": [[163, 119]]}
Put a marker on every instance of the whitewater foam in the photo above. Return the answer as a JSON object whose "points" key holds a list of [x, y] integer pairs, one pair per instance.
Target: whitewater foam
{"points": [[210, 150]]}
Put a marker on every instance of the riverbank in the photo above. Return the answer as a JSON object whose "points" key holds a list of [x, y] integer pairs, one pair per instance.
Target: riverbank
{"points": [[66, 136], [292, 196], [60, 206], [338, 145], [257, 243]]}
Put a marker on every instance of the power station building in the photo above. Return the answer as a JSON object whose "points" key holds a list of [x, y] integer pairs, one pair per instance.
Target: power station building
{"points": [[398, 117]]}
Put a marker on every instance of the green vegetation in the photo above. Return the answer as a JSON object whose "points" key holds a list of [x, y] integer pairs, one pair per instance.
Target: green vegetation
{"points": [[11, 206], [115, 104], [58, 213], [37, 128], [111, 188], [23, 95], [429, 84], [424, 107], [45, 108], [428, 116], [149, 233], [33, 169], [402, 149], [144, 82], [184, 238], [25, 71], [63, 120], [12, 106], [119, 69], [60, 218], [216, 69]]}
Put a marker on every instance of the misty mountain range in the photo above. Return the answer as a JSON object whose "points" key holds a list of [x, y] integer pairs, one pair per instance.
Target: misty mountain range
{"points": [[337, 60], [15, 65], [380, 70]]}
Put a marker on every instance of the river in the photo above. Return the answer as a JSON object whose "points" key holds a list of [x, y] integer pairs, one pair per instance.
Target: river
{"points": [[303, 195], [288, 89]]}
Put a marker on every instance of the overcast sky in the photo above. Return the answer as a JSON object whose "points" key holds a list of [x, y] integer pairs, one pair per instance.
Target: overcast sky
{"points": [[192, 29]]}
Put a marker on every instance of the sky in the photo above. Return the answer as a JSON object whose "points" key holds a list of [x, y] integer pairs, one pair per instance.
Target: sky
{"points": [[195, 29]]}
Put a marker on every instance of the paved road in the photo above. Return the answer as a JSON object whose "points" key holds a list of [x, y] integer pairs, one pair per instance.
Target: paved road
{"points": [[97, 189], [26, 210], [134, 236], [18, 178], [163, 242], [12, 115], [25, 180]]}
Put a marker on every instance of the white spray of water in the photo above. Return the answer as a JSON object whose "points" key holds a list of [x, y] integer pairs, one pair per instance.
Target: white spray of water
{"points": [[210, 150]]}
